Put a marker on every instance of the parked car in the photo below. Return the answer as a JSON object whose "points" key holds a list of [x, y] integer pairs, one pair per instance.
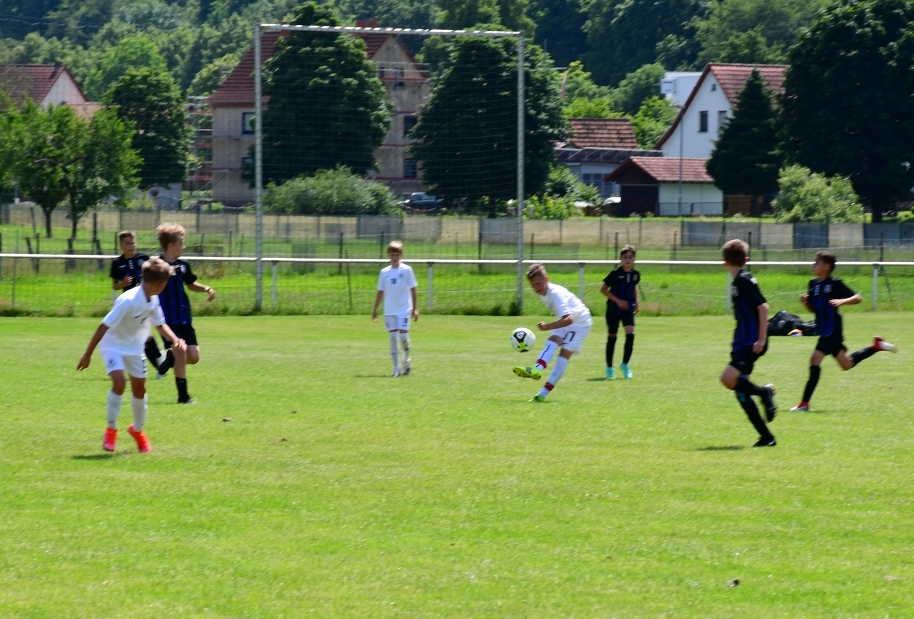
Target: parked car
{"points": [[419, 201]]}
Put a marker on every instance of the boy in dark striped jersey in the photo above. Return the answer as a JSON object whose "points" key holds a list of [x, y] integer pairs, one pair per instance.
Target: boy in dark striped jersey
{"points": [[750, 341], [125, 274], [620, 288], [823, 298], [176, 305]]}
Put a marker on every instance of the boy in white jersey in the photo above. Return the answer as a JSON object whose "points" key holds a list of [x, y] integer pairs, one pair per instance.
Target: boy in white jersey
{"points": [[568, 332], [121, 337], [397, 287]]}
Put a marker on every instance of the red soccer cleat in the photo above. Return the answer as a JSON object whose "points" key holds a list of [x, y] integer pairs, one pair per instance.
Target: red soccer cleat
{"points": [[881, 344], [110, 439], [142, 441]]}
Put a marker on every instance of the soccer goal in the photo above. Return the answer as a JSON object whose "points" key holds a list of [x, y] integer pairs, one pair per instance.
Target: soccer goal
{"points": [[367, 120]]}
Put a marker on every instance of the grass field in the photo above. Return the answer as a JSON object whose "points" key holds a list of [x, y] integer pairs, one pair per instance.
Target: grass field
{"points": [[306, 482]]}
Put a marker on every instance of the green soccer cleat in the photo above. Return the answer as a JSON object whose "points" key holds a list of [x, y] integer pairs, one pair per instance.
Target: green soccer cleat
{"points": [[528, 372], [538, 398], [626, 371], [610, 373]]}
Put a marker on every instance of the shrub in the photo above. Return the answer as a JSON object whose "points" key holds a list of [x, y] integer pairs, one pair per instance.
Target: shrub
{"points": [[806, 196], [549, 207], [330, 192]]}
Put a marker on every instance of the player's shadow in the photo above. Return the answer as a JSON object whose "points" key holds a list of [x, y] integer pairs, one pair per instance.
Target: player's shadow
{"points": [[375, 376], [93, 457], [601, 379], [722, 448]]}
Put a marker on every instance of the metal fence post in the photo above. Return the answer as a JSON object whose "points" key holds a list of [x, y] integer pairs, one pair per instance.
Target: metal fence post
{"points": [[875, 284], [581, 281], [431, 279], [275, 277]]}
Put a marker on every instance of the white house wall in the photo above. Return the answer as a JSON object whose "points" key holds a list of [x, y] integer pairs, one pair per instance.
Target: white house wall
{"points": [[702, 198], [64, 90], [710, 98]]}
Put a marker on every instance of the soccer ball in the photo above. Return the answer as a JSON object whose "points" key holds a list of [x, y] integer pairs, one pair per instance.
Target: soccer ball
{"points": [[523, 339]]}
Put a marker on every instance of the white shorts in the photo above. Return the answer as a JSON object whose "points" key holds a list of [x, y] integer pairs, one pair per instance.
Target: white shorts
{"points": [[134, 365], [573, 336], [393, 322]]}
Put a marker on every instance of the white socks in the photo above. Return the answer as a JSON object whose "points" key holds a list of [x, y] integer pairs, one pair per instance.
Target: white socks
{"points": [[547, 354], [404, 342], [394, 349], [114, 409], [139, 412], [557, 371]]}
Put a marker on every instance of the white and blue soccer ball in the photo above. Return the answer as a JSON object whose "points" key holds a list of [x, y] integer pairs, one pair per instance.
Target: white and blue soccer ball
{"points": [[522, 339]]}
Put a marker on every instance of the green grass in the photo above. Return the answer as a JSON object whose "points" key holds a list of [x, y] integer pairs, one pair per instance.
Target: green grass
{"points": [[307, 482]]}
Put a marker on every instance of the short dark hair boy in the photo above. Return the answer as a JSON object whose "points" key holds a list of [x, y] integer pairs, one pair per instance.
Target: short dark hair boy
{"points": [[620, 288]]}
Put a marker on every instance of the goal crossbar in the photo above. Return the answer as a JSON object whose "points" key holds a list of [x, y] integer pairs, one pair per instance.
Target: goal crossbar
{"points": [[496, 34]]}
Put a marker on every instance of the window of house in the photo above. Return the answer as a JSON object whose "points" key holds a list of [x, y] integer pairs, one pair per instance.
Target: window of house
{"points": [[408, 123], [596, 180], [248, 122], [702, 122], [721, 119], [713, 87], [410, 168]]}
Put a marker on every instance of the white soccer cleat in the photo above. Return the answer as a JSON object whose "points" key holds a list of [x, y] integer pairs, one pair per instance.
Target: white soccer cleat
{"points": [[882, 345]]}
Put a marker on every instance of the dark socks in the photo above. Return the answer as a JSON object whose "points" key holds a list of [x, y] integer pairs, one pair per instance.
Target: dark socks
{"points": [[744, 385], [152, 351], [863, 354], [181, 384], [168, 363], [629, 346], [814, 372], [755, 418], [610, 348]]}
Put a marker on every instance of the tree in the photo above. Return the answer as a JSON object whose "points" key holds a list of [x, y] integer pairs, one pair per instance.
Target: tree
{"points": [[641, 84], [559, 24], [746, 157], [625, 35], [653, 119], [849, 93], [466, 137], [327, 106], [459, 14], [55, 154], [591, 108], [151, 102], [330, 192], [131, 53], [809, 197]]}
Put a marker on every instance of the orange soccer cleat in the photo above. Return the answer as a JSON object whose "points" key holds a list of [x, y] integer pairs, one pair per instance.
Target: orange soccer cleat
{"points": [[142, 441], [110, 439]]}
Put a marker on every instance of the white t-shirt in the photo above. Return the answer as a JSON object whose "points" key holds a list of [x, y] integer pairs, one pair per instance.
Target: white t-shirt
{"points": [[396, 283], [129, 321], [562, 302]]}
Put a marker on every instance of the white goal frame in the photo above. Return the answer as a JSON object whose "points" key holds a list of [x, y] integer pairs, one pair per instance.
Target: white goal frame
{"points": [[259, 28]]}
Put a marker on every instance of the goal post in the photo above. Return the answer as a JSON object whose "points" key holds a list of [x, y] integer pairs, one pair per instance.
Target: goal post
{"points": [[260, 29]]}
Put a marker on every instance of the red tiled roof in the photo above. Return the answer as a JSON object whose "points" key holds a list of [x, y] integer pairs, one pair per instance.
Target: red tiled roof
{"points": [[602, 133], [238, 87], [666, 169], [34, 81], [731, 78]]}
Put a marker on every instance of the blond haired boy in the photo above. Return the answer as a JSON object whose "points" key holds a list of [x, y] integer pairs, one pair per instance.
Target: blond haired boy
{"points": [[120, 338], [568, 332], [397, 288]]}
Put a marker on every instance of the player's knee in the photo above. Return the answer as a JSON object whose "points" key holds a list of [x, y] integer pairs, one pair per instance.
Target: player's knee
{"points": [[118, 384], [727, 380], [613, 335], [139, 391]]}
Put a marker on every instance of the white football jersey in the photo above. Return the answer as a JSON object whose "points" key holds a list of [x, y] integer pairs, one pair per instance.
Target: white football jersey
{"points": [[562, 302], [129, 321], [396, 283]]}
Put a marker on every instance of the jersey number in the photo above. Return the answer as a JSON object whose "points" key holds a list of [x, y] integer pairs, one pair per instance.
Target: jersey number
{"points": [[569, 336]]}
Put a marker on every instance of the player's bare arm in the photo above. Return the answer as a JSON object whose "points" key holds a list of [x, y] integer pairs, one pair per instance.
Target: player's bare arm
{"points": [[96, 338], [804, 299], [198, 287], [759, 345], [377, 301], [412, 292], [854, 300], [120, 285], [562, 322]]}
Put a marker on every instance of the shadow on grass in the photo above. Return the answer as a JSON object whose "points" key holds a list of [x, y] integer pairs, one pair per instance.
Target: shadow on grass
{"points": [[377, 376], [722, 448], [93, 457], [601, 379]]}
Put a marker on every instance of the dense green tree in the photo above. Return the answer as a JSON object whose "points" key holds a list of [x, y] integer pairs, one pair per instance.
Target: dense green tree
{"points": [[746, 157], [330, 192], [151, 102], [805, 196], [460, 14], [624, 35], [849, 94], [467, 131], [390, 13], [641, 84], [579, 84], [590, 108], [79, 20], [25, 16], [131, 53], [327, 106], [654, 118], [210, 77], [559, 24], [231, 36]]}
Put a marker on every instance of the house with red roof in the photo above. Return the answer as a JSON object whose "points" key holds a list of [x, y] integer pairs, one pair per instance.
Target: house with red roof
{"points": [[653, 185], [232, 108], [44, 84], [710, 104]]}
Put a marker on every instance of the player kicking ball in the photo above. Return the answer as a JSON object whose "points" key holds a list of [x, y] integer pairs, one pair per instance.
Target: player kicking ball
{"points": [[568, 332], [121, 337]]}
